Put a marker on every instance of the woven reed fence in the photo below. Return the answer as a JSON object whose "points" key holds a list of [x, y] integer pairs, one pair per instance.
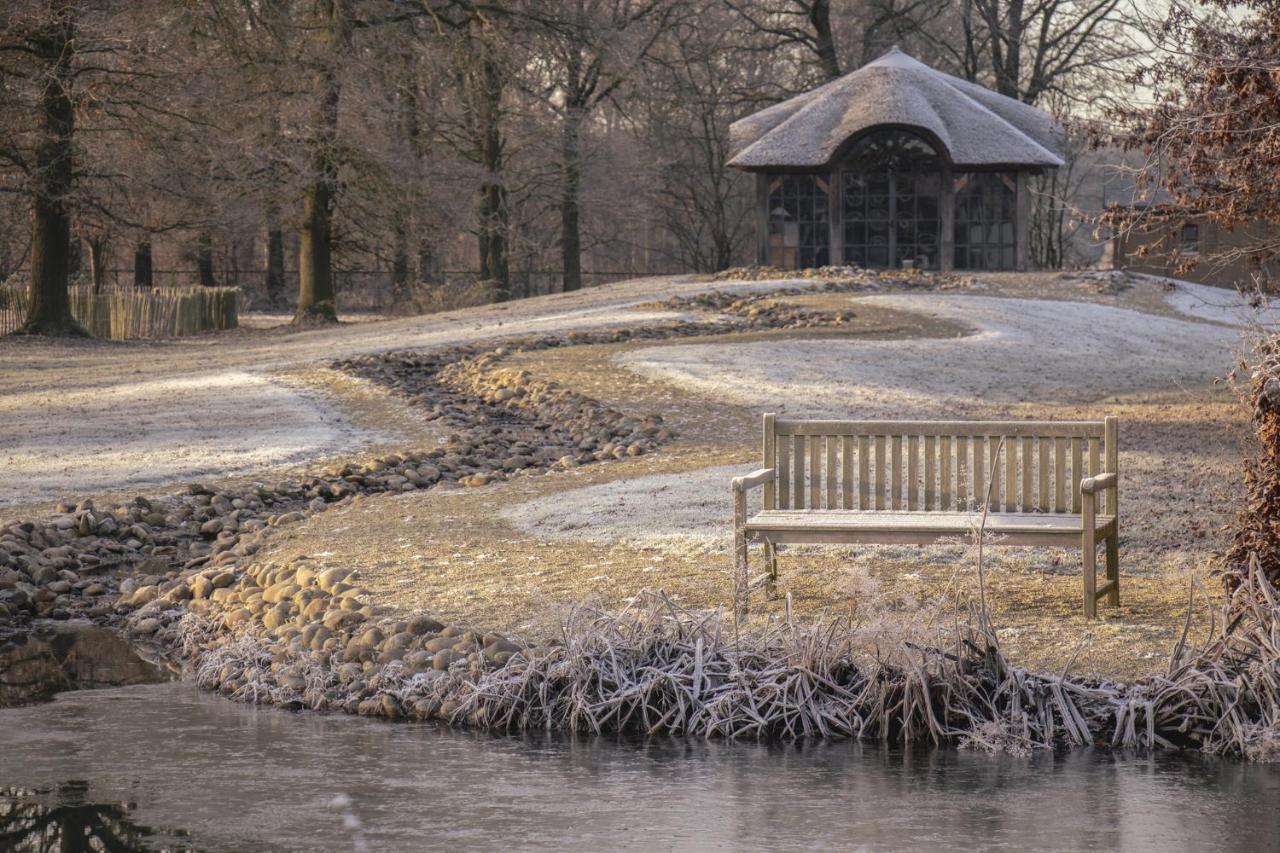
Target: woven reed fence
{"points": [[125, 313]]}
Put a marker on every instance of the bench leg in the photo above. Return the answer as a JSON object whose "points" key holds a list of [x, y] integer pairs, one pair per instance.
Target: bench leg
{"points": [[1113, 568], [1089, 560], [740, 579], [771, 560]]}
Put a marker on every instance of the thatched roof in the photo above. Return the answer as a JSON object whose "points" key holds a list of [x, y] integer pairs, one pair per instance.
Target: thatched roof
{"points": [[976, 126]]}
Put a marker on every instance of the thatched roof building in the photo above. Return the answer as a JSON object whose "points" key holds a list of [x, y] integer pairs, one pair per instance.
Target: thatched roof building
{"points": [[894, 165]]}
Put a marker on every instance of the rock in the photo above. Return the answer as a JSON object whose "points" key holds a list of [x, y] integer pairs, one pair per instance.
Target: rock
{"points": [[420, 625], [147, 627], [223, 579], [201, 586], [142, 595], [446, 658], [330, 578]]}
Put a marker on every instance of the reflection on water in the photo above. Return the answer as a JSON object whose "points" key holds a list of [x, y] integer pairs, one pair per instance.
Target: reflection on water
{"points": [[238, 777], [58, 656], [58, 818]]}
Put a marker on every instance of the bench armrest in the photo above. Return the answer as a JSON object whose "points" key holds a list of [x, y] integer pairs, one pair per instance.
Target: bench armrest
{"points": [[755, 478], [1098, 483]]}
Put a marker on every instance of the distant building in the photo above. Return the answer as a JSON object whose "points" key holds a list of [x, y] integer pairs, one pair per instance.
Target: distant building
{"points": [[895, 165], [1160, 241]]}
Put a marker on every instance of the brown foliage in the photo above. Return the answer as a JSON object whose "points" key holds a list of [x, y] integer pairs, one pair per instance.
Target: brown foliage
{"points": [[1258, 529], [1212, 137]]}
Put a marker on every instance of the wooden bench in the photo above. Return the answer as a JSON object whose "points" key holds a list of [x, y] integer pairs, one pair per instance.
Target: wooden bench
{"points": [[918, 482]]}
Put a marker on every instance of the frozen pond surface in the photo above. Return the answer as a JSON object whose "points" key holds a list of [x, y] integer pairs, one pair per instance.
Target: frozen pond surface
{"points": [[204, 773]]}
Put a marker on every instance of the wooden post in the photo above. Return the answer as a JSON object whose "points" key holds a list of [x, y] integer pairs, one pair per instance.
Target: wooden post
{"points": [[1089, 547], [770, 459], [1110, 430], [947, 239], [1022, 223], [740, 578], [762, 218], [835, 216]]}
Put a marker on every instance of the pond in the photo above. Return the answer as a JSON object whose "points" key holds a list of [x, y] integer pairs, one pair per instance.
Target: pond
{"points": [[165, 766]]}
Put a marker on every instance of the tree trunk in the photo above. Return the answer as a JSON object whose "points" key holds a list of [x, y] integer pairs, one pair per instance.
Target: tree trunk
{"points": [[824, 40], [98, 261], [494, 204], [275, 259], [49, 312], [143, 274], [315, 264], [401, 295], [426, 263], [204, 261], [571, 179]]}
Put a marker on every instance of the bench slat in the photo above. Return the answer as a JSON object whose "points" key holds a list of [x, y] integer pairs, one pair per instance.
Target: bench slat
{"points": [[1065, 429], [1077, 468], [784, 474], [797, 471], [1059, 475], [959, 523], [846, 471], [945, 461], [833, 446], [1011, 475], [1042, 482], [930, 471], [815, 471], [979, 467], [1028, 469], [864, 472], [880, 472], [962, 471], [896, 475], [913, 472]]}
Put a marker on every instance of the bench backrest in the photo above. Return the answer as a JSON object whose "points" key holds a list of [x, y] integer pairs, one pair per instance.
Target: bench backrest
{"points": [[935, 466]]}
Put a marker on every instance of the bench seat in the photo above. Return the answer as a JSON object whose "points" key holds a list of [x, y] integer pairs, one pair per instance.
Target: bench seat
{"points": [[782, 527]]}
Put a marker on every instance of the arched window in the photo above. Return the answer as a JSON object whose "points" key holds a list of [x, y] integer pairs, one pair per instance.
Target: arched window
{"points": [[891, 187]]}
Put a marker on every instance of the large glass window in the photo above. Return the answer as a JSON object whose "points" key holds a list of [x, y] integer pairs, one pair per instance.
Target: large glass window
{"points": [[986, 205], [890, 201], [799, 221]]}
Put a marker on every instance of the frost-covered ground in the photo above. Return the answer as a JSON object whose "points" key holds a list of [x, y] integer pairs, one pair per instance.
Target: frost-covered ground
{"points": [[68, 442], [1023, 350], [679, 509], [1217, 304], [79, 417]]}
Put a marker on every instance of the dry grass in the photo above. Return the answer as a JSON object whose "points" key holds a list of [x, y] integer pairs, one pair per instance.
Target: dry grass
{"points": [[452, 553]]}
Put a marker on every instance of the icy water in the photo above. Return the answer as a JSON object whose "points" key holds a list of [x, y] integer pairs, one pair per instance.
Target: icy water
{"points": [[164, 766]]}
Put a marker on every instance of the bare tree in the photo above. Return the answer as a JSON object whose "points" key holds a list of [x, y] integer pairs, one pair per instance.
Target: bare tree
{"points": [[585, 52]]}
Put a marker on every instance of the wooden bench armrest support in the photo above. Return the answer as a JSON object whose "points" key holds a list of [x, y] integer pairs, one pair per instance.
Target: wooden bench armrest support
{"points": [[1098, 483], [752, 480]]}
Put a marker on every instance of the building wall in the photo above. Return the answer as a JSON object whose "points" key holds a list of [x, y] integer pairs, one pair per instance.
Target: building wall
{"points": [[1215, 263]]}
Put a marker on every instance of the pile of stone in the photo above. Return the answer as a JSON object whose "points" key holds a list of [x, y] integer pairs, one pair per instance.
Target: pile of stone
{"points": [[62, 567], [298, 636], [506, 420]]}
